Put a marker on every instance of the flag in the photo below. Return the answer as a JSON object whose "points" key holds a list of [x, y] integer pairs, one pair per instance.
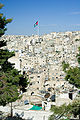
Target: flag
{"points": [[36, 24]]}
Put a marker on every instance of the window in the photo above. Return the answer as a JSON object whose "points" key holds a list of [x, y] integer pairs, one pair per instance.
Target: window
{"points": [[32, 93], [30, 83], [38, 76], [32, 77]]}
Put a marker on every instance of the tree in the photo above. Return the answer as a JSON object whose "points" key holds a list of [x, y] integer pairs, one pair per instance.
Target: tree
{"points": [[10, 79], [65, 66], [75, 108], [78, 55], [66, 111], [72, 73], [3, 22], [58, 112], [73, 76]]}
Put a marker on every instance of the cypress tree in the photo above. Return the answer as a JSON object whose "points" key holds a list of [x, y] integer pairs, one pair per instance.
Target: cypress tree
{"points": [[10, 79]]}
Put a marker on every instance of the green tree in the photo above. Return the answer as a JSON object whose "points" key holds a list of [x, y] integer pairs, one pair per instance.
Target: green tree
{"points": [[75, 108], [58, 112], [78, 55], [3, 22], [10, 79], [72, 73], [65, 66], [73, 76], [67, 111]]}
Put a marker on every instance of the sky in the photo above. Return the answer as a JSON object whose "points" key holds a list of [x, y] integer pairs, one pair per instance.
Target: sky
{"points": [[52, 15]]}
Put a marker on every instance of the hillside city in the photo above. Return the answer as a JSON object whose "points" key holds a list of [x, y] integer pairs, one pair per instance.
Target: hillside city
{"points": [[40, 59]]}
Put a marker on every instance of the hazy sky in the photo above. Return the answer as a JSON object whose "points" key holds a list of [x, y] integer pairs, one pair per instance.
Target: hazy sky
{"points": [[53, 15]]}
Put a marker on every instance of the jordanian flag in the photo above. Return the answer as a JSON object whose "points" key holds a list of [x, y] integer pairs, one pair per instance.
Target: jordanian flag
{"points": [[36, 24]]}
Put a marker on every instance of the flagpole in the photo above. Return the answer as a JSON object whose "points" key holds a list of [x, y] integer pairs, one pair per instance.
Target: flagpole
{"points": [[38, 29]]}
